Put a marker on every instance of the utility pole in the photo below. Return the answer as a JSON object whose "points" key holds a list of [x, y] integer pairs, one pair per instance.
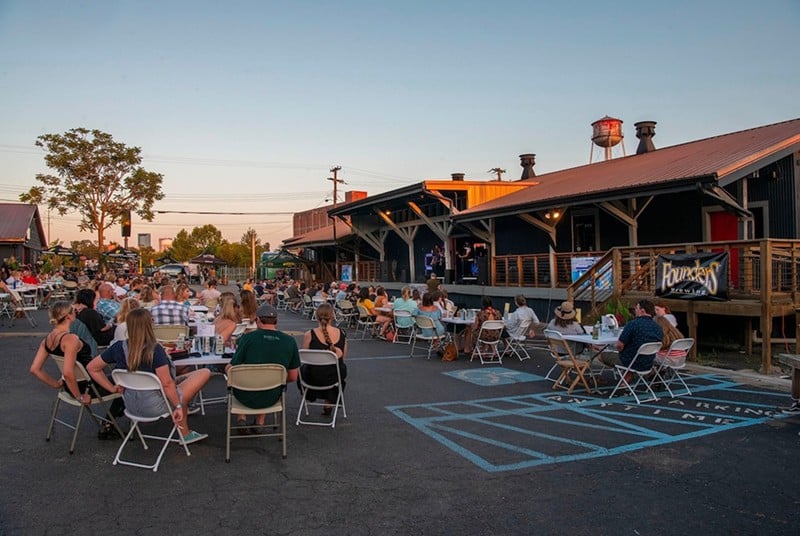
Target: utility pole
{"points": [[499, 172], [336, 181]]}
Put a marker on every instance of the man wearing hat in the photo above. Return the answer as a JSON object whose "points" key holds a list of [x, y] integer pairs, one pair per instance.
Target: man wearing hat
{"points": [[262, 346]]}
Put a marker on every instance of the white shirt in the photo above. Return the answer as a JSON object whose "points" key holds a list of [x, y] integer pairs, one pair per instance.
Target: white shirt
{"points": [[516, 319]]}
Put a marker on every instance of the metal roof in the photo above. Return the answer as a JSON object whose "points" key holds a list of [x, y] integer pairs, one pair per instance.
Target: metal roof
{"points": [[320, 237], [723, 158], [15, 220]]}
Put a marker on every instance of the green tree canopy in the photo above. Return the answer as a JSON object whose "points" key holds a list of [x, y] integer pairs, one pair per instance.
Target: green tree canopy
{"points": [[96, 177], [207, 238], [183, 247]]}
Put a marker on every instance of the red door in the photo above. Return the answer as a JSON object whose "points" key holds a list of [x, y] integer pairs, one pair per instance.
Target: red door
{"points": [[725, 227]]}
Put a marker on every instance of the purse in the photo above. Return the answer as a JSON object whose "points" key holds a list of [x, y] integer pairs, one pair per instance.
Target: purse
{"points": [[450, 352]]}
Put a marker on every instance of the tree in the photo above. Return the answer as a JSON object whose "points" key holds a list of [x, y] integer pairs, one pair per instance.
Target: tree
{"points": [[249, 236], [85, 248], [207, 238], [183, 247], [95, 176]]}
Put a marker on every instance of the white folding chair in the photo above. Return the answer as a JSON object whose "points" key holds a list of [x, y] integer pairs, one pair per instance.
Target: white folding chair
{"points": [[645, 351], [320, 358], [564, 357], [24, 305], [345, 312], [515, 343], [63, 395], [670, 364], [256, 377], [170, 332], [487, 341], [365, 322], [145, 382], [307, 308], [280, 301], [403, 334], [422, 323]]}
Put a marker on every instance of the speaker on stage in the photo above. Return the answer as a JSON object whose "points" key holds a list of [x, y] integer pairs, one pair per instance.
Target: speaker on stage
{"points": [[483, 270], [384, 271]]}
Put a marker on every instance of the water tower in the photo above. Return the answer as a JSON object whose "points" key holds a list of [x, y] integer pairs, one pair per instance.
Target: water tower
{"points": [[606, 133]]}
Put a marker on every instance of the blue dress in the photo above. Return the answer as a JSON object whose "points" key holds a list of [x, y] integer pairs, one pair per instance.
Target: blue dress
{"points": [[434, 315]]}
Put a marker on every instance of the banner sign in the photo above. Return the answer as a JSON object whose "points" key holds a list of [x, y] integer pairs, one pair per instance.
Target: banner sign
{"points": [[693, 276]]}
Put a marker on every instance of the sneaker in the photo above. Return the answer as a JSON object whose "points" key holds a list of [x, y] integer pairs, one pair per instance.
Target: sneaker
{"points": [[794, 409], [193, 437]]}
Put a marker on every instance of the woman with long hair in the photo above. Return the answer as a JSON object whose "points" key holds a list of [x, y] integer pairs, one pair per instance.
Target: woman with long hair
{"points": [[248, 308], [62, 343], [227, 319], [325, 337], [121, 331], [141, 352], [148, 297], [429, 309]]}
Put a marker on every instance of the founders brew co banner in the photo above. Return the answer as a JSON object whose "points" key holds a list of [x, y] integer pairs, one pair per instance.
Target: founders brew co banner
{"points": [[693, 276]]}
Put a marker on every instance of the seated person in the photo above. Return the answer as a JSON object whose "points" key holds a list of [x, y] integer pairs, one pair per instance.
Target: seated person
{"points": [[522, 314], [640, 330], [142, 352], [429, 309], [487, 312], [169, 311], [565, 323], [107, 305], [325, 337], [365, 302], [265, 345], [101, 331]]}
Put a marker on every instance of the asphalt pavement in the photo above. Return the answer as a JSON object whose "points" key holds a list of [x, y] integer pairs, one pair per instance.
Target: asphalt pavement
{"points": [[428, 447]]}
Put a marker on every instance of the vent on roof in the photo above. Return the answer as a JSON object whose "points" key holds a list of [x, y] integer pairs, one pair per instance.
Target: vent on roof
{"points": [[645, 130], [527, 161], [457, 176]]}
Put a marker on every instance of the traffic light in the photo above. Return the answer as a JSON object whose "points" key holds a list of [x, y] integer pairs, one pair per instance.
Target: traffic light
{"points": [[126, 224]]}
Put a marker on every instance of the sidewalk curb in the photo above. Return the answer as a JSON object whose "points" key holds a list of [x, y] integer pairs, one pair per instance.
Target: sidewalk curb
{"points": [[745, 376]]}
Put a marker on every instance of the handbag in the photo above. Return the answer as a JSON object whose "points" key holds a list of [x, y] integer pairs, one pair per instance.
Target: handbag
{"points": [[450, 352]]}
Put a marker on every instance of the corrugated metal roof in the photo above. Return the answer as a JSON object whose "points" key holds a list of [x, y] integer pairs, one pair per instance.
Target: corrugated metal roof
{"points": [[320, 237], [15, 220], [715, 158]]}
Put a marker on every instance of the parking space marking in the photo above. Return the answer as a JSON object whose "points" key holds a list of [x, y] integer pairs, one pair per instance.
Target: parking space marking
{"points": [[488, 376], [518, 432]]}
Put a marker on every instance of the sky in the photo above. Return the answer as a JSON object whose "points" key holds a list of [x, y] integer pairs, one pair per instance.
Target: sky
{"points": [[246, 106]]}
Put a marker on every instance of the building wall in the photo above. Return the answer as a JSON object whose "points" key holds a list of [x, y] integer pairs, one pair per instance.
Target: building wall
{"points": [[777, 185]]}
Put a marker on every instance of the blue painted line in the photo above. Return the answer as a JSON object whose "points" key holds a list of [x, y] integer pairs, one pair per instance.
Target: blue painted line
{"points": [[492, 442]]}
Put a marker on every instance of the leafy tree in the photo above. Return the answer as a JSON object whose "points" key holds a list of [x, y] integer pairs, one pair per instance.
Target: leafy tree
{"points": [[95, 176], [206, 238], [183, 247], [249, 236], [85, 248], [234, 254], [148, 254]]}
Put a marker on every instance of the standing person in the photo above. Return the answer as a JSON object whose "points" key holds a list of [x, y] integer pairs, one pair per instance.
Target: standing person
{"points": [[62, 343], [466, 260], [262, 346], [325, 337], [640, 330], [141, 352], [169, 311]]}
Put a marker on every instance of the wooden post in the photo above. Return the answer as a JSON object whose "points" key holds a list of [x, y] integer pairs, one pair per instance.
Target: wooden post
{"points": [[748, 335], [616, 272], [691, 320], [766, 306]]}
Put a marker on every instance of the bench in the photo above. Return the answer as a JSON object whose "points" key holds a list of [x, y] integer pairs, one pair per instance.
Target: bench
{"points": [[792, 360]]}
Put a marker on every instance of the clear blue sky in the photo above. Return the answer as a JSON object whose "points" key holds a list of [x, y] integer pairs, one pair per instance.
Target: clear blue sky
{"points": [[244, 106]]}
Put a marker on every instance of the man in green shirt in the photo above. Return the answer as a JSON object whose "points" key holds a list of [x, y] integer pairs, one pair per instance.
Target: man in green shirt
{"points": [[265, 345]]}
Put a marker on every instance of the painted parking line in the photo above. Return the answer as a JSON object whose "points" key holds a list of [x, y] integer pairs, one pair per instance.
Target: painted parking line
{"points": [[512, 433], [489, 376]]}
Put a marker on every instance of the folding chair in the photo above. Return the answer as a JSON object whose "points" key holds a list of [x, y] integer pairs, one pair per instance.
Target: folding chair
{"points": [[489, 337], [320, 358], [63, 395], [647, 349], [145, 382], [561, 352], [422, 323], [671, 363], [405, 317], [515, 344], [257, 377], [170, 332], [345, 312], [280, 301], [365, 322], [23, 305], [307, 308]]}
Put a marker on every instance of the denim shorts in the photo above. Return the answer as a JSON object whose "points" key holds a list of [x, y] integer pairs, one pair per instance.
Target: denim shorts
{"points": [[148, 404]]}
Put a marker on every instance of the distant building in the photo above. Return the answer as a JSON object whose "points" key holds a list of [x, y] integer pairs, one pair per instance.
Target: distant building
{"points": [[21, 233], [143, 240], [164, 244]]}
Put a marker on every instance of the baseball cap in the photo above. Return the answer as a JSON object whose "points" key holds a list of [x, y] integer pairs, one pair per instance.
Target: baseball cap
{"points": [[266, 310]]}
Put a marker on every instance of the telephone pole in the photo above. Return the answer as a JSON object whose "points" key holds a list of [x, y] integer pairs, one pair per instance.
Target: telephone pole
{"points": [[499, 172], [336, 181]]}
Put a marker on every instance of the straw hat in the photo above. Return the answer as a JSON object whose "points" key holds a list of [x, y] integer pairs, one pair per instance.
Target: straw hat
{"points": [[565, 311]]}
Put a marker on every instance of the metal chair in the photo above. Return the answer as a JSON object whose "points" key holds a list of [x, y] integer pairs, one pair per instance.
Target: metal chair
{"points": [[63, 395], [403, 334], [145, 382], [515, 344], [365, 321], [645, 351], [487, 342], [422, 324], [170, 332], [669, 365], [256, 377], [319, 358], [561, 352]]}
